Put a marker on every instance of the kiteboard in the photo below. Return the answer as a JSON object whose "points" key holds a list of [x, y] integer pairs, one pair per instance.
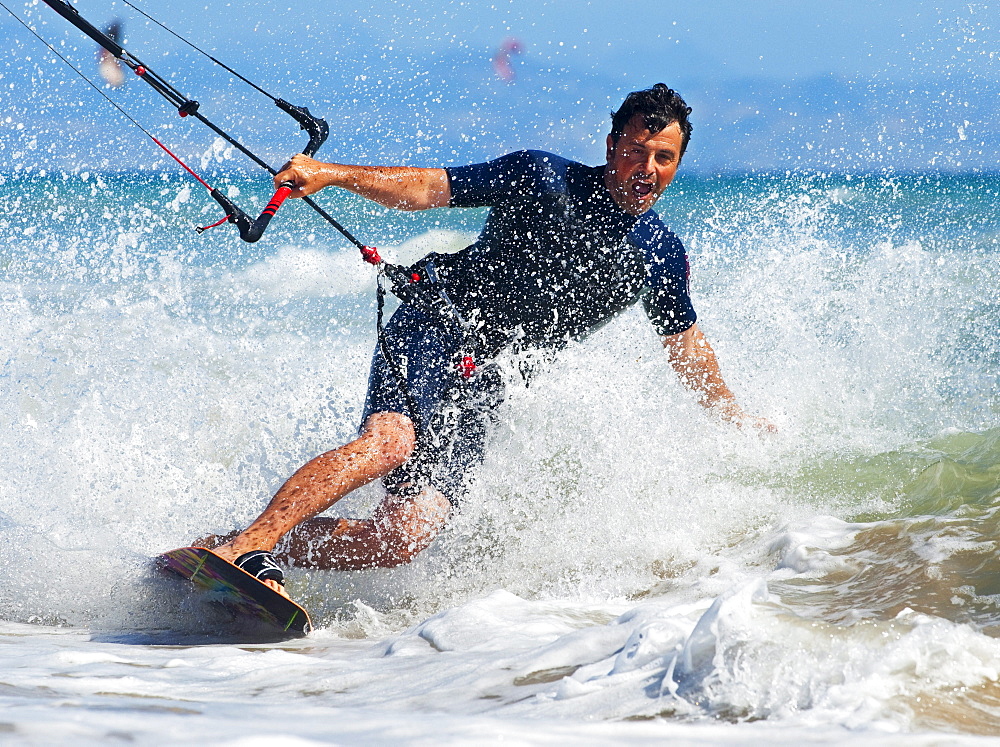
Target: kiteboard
{"points": [[253, 604]]}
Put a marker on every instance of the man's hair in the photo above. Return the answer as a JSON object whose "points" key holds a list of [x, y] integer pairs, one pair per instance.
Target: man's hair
{"points": [[659, 107]]}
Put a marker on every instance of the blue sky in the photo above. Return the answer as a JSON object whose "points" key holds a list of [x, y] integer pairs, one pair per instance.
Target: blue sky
{"points": [[839, 85], [728, 39]]}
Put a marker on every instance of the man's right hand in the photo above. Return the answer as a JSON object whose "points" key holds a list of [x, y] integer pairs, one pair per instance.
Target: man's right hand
{"points": [[307, 175]]}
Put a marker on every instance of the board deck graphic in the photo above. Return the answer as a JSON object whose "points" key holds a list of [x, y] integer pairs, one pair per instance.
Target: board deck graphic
{"points": [[241, 594]]}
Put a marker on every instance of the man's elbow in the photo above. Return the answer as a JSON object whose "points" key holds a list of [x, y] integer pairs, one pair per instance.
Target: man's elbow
{"points": [[680, 346], [432, 191], [421, 202]]}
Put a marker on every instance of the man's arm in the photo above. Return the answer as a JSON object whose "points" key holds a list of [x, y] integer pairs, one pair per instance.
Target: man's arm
{"points": [[399, 187], [694, 361]]}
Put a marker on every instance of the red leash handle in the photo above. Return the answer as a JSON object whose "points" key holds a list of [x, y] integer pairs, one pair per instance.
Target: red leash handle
{"points": [[370, 255]]}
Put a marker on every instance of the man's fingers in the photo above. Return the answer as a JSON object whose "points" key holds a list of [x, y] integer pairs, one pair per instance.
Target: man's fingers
{"points": [[287, 174], [743, 420], [291, 173], [299, 171], [767, 425], [762, 424]]}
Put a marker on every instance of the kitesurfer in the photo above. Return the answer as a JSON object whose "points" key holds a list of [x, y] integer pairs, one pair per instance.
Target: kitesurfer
{"points": [[565, 248]]}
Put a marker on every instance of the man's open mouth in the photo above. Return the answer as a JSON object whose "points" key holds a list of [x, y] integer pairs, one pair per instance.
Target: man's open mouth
{"points": [[641, 189]]}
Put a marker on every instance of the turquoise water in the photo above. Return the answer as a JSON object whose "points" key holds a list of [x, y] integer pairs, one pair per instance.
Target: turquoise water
{"points": [[627, 568]]}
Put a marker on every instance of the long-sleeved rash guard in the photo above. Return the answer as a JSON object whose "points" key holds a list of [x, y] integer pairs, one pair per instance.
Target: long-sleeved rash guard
{"points": [[557, 257]]}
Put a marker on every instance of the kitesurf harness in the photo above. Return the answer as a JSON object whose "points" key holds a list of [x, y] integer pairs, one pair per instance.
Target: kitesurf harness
{"points": [[418, 285]]}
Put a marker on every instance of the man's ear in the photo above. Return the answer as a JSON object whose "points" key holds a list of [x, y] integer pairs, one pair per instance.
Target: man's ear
{"points": [[611, 147]]}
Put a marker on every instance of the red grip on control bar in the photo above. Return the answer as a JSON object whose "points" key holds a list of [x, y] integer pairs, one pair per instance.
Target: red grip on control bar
{"points": [[279, 198]]}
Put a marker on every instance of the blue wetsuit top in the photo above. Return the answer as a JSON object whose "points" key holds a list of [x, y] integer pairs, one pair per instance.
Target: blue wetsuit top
{"points": [[557, 258]]}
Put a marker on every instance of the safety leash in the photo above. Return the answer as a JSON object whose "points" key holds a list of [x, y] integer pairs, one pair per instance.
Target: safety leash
{"points": [[420, 287]]}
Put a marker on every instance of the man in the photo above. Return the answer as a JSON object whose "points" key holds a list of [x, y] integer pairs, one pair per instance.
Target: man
{"points": [[565, 248]]}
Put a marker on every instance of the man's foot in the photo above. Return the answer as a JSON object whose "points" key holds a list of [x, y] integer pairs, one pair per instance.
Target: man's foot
{"points": [[255, 569], [220, 544], [261, 565]]}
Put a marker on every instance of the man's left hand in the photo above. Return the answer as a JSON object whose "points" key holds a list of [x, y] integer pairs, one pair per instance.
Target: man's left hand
{"points": [[733, 413]]}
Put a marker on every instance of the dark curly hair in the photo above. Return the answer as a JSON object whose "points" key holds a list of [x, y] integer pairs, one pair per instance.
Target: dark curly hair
{"points": [[659, 107]]}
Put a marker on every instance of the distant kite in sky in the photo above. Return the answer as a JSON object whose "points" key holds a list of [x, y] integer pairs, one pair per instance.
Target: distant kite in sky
{"points": [[501, 60], [107, 65]]}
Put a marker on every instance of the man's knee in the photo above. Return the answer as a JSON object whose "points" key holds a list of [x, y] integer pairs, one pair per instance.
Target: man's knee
{"points": [[393, 434], [408, 525]]}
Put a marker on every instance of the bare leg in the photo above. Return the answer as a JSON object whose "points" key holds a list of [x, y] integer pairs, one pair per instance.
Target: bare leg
{"points": [[399, 528], [386, 441]]}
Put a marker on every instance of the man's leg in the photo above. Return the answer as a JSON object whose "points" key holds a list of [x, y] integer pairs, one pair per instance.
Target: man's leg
{"points": [[400, 527], [386, 441]]}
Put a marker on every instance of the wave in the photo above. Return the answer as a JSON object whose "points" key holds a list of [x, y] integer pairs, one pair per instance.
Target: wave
{"points": [[621, 554]]}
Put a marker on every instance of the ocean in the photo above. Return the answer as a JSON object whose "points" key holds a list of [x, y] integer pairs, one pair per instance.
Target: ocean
{"points": [[627, 569]]}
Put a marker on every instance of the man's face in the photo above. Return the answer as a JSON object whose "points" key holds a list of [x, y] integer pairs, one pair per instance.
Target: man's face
{"points": [[641, 165]]}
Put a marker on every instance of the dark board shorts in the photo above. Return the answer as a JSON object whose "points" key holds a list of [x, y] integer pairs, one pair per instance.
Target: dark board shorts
{"points": [[451, 414]]}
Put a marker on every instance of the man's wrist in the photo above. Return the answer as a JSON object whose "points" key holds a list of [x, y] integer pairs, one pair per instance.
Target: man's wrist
{"points": [[727, 409]]}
